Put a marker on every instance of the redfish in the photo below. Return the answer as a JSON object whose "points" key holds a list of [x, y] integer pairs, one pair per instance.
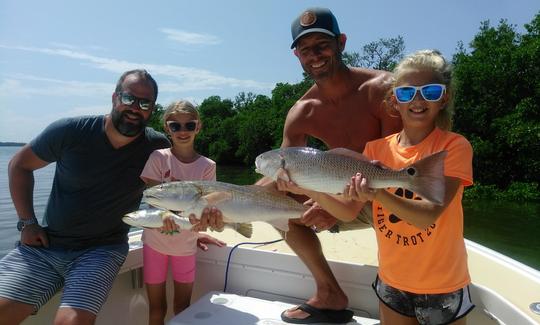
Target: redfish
{"points": [[329, 171]]}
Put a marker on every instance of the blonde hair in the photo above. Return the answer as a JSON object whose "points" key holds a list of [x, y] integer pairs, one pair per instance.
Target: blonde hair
{"points": [[180, 107], [430, 60]]}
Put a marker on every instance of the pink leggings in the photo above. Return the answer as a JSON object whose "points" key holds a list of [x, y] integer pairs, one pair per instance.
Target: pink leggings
{"points": [[155, 267]]}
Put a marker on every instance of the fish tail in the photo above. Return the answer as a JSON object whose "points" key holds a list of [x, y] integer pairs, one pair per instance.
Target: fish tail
{"points": [[427, 177], [244, 229]]}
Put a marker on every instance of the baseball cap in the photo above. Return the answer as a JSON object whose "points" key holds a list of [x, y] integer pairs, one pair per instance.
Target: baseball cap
{"points": [[314, 20]]}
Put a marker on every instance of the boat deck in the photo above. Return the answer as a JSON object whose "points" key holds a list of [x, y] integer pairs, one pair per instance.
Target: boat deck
{"points": [[259, 282]]}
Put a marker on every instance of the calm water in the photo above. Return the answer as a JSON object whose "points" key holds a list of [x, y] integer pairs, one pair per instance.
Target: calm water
{"points": [[510, 228]]}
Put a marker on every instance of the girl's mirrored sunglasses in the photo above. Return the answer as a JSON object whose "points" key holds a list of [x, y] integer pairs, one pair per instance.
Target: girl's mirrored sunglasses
{"points": [[177, 126], [430, 92], [129, 99]]}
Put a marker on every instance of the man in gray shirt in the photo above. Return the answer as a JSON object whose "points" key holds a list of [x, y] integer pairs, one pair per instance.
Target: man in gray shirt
{"points": [[84, 243]]}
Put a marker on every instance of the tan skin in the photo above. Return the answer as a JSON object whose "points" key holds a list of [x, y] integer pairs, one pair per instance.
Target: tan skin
{"points": [[184, 151], [418, 122], [343, 109], [21, 184]]}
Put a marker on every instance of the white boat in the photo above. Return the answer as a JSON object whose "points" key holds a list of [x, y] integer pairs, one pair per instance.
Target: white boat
{"points": [[262, 281]]}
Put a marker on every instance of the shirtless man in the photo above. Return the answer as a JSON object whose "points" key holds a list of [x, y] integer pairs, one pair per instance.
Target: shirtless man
{"points": [[343, 109]]}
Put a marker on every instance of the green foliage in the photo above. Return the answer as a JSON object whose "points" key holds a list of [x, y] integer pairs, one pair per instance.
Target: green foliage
{"points": [[235, 133], [217, 138], [351, 59], [156, 118], [497, 96], [383, 54], [516, 192]]}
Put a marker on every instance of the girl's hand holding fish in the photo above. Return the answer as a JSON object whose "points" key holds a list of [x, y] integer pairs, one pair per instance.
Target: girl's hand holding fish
{"points": [[358, 189], [169, 226], [210, 217]]}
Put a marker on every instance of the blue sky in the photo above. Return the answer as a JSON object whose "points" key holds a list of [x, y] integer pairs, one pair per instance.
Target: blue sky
{"points": [[63, 58]]}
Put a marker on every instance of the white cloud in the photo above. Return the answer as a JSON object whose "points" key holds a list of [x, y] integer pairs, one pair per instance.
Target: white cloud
{"points": [[197, 79], [184, 37], [28, 85], [175, 82], [86, 110]]}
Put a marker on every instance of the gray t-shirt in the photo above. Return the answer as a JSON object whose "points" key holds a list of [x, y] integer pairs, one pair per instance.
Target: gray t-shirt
{"points": [[94, 184]]}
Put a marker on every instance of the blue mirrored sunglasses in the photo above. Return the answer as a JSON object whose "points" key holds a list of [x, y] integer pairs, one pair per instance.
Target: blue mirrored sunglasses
{"points": [[430, 92], [177, 126], [129, 99]]}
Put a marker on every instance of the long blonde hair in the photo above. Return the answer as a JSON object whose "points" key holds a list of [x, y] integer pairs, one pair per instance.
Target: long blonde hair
{"points": [[430, 60]]}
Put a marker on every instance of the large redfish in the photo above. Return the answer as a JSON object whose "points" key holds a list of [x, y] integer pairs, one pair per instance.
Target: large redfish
{"points": [[329, 171], [238, 203]]}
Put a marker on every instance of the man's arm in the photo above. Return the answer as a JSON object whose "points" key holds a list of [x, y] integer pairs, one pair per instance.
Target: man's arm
{"points": [[294, 135], [21, 186], [379, 89], [295, 128]]}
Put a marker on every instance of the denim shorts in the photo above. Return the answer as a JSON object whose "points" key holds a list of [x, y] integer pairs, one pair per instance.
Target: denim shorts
{"points": [[33, 275], [428, 309]]}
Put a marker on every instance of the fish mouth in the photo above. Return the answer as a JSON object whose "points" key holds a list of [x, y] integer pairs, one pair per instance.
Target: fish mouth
{"points": [[129, 221]]}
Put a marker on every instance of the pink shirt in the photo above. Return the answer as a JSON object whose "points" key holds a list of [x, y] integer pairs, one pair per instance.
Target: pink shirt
{"points": [[162, 165]]}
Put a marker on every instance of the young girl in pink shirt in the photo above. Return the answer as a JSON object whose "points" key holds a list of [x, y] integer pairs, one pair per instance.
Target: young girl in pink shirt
{"points": [[179, 163]]}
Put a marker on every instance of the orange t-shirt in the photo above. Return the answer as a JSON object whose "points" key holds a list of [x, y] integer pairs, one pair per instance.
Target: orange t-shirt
{"points": [[432, 260]]}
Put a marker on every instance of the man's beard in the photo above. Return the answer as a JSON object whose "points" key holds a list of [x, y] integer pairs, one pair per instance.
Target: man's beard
{"points": [[127, 129]]}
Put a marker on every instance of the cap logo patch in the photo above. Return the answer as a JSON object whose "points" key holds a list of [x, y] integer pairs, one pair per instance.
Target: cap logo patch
{"points": [[308, 18]]}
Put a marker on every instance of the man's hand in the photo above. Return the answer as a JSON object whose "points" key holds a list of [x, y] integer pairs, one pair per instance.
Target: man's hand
{"points": [[316, 218], [204, 240], [284, 183], [210, 217], [34, 235]]}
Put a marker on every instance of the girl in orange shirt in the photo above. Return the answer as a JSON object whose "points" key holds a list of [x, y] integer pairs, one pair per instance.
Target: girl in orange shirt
{"points": [[423, 276]]}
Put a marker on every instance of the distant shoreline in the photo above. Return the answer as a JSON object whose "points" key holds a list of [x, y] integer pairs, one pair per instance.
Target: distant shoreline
{"points": [[12, 144]]}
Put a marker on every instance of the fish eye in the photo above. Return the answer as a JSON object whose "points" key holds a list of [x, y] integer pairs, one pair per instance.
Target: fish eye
{"points": [[411, 171]]}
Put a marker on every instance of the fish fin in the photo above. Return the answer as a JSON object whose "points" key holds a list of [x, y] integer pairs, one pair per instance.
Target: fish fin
{"points": [[216, 197], [427, 177], [348, 153], [281, 224], [244, 229]]}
